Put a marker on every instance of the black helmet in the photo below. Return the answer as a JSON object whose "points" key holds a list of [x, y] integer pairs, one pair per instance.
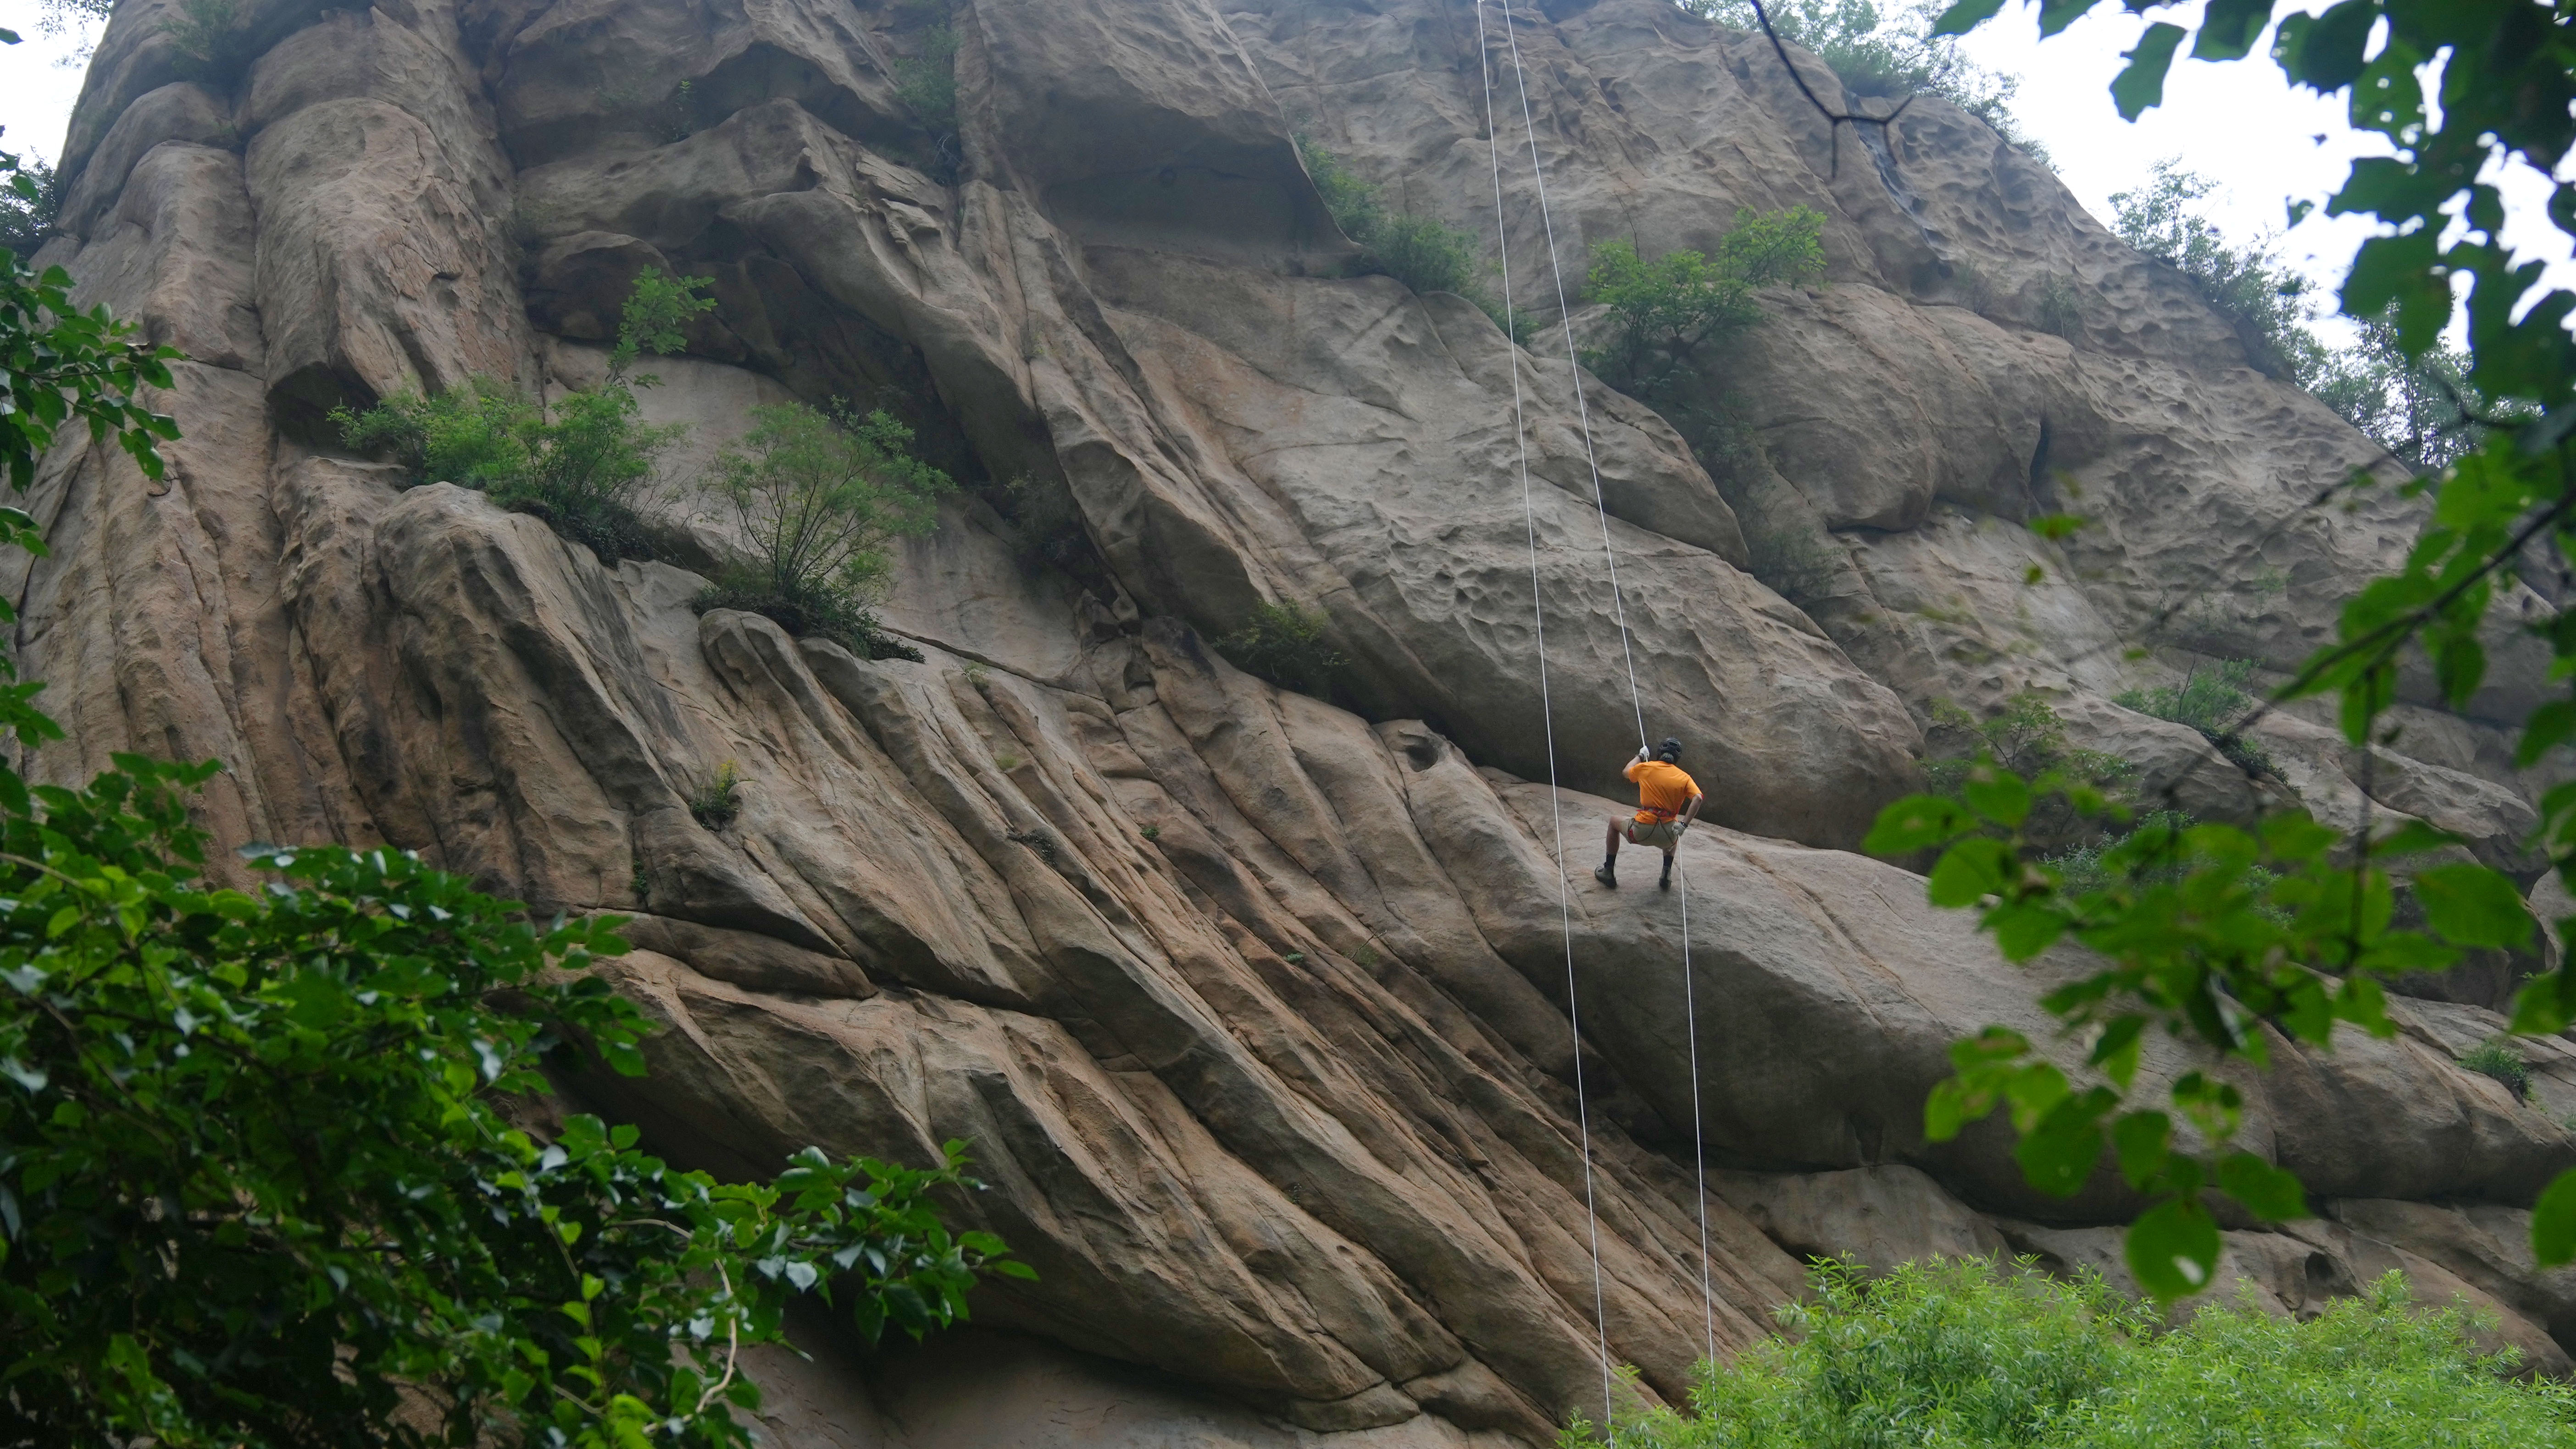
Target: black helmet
{"points": [[1670, 751]]}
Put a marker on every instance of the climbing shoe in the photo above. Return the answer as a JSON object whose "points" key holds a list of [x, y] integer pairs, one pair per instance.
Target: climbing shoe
{"points": [[1666, 883], [1606, 876]]}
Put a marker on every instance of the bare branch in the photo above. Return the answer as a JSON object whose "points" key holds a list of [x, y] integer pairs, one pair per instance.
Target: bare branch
{"points": [[1833, 119]]}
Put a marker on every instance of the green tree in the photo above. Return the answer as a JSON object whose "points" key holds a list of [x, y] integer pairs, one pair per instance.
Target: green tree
{"points": [[1666, 313], [2246, 283], [2213, 698], [27, 214], [262, 1183], [2422, 409], [1955, 1355], [818, 496], [2290, 926]]}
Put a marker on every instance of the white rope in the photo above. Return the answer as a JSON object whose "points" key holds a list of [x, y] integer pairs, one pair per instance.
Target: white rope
{"points": [[1583, 413], [1699, 1144], [1547, 717], [1582, 409]]}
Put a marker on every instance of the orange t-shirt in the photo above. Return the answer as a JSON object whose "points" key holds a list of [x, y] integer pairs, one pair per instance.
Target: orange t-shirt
{"points": [[1664, 790]]}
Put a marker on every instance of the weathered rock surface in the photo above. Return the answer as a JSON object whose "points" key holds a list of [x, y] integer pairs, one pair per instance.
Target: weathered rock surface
{"points": [[1255, 1008]]}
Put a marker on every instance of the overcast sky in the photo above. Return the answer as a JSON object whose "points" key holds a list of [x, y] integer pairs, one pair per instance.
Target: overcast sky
{"points": [[2240, 124]]}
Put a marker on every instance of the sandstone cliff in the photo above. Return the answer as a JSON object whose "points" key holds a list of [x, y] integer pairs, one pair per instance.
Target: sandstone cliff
{"points": [[1278, 1098]]}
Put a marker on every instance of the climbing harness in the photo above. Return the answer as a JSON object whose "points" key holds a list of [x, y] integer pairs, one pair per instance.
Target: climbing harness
{"points": [[1636, 699]]}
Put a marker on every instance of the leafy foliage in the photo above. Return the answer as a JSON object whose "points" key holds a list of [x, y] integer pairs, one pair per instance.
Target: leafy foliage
{"points": [[656, 318], [582, 465], [2422, 409], [2247, 284], [56, 17], [818, 496], [1954, 1355], [58, 363], [2495, 1057], [259, 1183], [2210, 955], [1287, 645], [2026, 736], [1663, 313], [27, 212], [715, 803], [2059, 311], [2213, 698], [1424, 253], [1889, 51], [926, 83], [214, 44], [579, 466], [1799, 563]]}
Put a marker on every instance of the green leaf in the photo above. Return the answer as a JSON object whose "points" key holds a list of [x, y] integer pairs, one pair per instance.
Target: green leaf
{"points": [[2229, 28], [2143, 1142], [2553, 1221], [2173, 1248], [1997, 794], [1965, 16], [2325, 51], [2142, 84], [1918, 822], [2471, 905], [1969, 871], [2023, 931], [2269, 1192], [2058, 1155]]}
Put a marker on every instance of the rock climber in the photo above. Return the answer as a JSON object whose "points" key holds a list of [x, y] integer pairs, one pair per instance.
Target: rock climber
{"points": [[1668, 800]]}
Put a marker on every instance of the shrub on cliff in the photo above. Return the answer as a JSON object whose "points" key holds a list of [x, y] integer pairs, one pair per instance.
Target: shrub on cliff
{"points": [[1288, 646], [578, 465], [817, 497], [1668, 315], [2247, 283], [2214, 698], [1953, 1355], [1424, 253], [927, 83], [581, 465]]}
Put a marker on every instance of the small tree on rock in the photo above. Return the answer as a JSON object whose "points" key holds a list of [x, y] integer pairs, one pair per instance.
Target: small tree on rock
{"points": [[818, 496]]}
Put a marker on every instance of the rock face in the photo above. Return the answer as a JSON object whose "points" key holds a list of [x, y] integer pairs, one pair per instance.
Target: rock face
{"points": [[1255, 1008]]}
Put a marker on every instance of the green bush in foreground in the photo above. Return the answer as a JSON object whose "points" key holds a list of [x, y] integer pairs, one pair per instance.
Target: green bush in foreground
{"points": [[1951, 1355]]}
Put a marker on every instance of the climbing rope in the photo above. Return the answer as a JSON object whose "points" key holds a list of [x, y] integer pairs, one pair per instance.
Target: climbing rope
{"points": [[1636, 700], [1547, 719]]}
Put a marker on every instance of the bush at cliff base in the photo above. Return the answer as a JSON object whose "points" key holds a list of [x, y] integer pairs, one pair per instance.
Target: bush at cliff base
{"points": [[260, 1182], [1956, 1356]]}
